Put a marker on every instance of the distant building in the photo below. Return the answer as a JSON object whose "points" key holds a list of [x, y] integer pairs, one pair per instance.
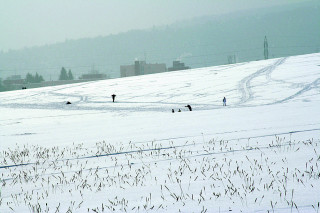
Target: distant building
{"points": [[177, 65], [14, 79], [91, 76], [141, 68]]}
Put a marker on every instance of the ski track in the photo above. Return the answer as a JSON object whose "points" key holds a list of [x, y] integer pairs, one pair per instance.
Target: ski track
{"points": [[315, 84], [162, 105], [244, 85]]}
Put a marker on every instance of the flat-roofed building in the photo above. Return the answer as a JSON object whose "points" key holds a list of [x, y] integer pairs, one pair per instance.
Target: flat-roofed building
{"points": [[177, 65], [141, 68]]}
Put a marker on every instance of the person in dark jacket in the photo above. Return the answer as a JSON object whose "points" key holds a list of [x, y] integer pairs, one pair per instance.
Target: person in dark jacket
{"points": [[189, 107], [224, 101], [113, 97], [172, 110]]}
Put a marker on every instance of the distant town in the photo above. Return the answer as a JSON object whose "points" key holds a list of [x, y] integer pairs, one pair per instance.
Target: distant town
{"points": [[15, 82]]}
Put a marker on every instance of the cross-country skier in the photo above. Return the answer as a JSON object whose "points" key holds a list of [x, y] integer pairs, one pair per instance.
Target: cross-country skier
{"points": [[224, 101]]}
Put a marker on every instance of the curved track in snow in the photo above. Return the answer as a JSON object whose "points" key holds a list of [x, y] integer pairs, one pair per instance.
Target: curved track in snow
{"points": [[244, 85], [315, 84]]}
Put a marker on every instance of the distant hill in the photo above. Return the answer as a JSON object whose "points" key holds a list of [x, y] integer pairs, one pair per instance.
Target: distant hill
{"points": [[291, 30]]}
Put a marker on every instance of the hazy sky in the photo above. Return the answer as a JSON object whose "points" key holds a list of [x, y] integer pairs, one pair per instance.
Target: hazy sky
{"points": [[25, 23]]}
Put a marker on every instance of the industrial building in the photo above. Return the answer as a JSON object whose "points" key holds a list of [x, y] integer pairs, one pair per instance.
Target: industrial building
{"points": [[141, 68], [177, 65]]}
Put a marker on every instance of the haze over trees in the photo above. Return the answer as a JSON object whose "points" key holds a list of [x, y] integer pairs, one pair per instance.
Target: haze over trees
{"points": [[291, 30], [2, 87], [70, 75], [64, 75], [34, 78]]}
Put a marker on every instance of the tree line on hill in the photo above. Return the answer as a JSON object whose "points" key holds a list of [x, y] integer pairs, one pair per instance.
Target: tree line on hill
{"points": [[64, 75], [8, 84], [34, 78], [11, 84]]}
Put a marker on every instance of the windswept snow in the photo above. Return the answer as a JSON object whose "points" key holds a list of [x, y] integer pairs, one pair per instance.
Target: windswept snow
{"points": [[261, 152]]}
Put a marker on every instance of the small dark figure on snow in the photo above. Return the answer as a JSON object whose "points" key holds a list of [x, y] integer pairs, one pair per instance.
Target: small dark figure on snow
{"points": [[224, 101], [113, 97], [172, 110], [179, 110], [189, 107], [68, 102]]}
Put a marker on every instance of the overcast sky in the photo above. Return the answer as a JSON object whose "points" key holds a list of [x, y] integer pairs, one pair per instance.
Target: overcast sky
{"points": [[25, 23]]}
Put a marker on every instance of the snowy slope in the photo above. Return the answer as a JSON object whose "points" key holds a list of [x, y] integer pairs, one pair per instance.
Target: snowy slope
{"points": [[260, 152]]}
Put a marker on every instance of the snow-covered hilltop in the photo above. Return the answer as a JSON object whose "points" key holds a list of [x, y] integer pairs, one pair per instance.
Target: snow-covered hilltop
{"points": [[260, 152]]}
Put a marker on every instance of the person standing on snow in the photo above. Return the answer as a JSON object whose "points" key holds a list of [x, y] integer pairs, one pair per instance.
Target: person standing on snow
{"points": [[113, 97], [224, 101]]}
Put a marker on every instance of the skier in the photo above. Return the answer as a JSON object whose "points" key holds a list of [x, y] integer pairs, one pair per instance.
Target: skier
{"points": [[172, 110], [224, 101], [189, 107], [179, 110], [113, 97]]}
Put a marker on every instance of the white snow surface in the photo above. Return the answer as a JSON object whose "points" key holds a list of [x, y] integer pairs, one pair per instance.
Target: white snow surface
{"points": [[260, 152]]}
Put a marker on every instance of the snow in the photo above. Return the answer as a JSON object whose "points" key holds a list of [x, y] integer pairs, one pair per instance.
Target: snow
{"points": [[260, 152]]}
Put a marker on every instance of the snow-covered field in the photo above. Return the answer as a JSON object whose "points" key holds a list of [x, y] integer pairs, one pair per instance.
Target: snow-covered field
{"points": [[261, 152]]}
